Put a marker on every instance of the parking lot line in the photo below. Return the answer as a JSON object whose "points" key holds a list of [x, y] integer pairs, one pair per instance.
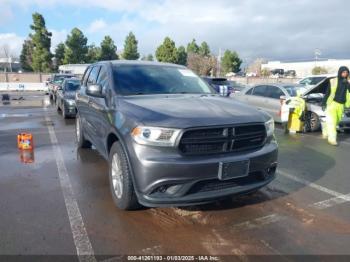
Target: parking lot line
{"points": [[258, 222], [310, 184], [80, 236], [331, 202]]}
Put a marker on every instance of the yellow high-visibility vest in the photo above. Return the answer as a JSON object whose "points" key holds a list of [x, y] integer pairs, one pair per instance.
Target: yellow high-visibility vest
{"points": [[334, 86]]}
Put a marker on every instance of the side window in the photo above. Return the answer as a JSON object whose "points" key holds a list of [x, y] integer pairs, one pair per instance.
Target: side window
{"points": [[249, 92], [86, 75], [274, 92], [260, 91], [93, 75], [103, 78]]}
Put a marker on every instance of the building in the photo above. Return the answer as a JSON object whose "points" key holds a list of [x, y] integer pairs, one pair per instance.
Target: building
{"points": [[76, 69], [303, 69], [9, 64]]}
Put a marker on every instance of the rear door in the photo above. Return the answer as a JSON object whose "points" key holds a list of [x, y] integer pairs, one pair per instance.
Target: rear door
{"points": [[272, 101], [258, 97]]}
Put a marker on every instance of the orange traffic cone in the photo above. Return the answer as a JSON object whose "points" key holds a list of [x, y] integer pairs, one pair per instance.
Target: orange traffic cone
{"points": [[25, 141]]}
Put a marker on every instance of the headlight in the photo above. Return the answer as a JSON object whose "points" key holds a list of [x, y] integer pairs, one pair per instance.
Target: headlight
{"points": [[70, 102], [270, 127], [155, 136]]}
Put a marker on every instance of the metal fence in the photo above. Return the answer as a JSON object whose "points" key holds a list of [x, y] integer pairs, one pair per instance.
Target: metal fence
{"points": [[23, 77], [263, 80]]}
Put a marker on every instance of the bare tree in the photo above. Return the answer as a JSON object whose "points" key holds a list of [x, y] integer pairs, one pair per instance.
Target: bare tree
{"points": [[202, 65], [5, 52]]}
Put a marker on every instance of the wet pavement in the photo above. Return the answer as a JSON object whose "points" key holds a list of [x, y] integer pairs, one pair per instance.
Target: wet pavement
{"points": [[305, 211]]}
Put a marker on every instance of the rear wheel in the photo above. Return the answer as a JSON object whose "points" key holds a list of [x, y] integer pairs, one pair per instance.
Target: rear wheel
{"points": [[120, 179], [81, 141], [312, 122]]}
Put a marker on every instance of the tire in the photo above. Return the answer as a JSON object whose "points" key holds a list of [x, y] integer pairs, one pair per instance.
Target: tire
{"points": [[79, 132], [57, 107], [312, 122], [64, 114], [120, 179]]}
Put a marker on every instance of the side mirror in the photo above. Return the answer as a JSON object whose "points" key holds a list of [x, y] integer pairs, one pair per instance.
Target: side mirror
{"points": [[94, 90]]}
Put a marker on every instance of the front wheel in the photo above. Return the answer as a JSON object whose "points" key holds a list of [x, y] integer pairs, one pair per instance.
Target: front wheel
{"points": [[64, 113], [312, 122], [81, 141], [120, 179]]}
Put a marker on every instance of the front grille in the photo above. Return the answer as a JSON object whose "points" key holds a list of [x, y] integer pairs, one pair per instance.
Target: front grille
{"points": [[216, 185], [223, 139]]}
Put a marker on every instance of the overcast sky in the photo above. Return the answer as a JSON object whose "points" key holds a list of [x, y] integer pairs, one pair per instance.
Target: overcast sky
{"points": [[273, 29]]}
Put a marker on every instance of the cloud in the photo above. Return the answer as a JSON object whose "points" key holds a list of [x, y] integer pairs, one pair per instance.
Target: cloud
{"points": [[12, 42], [97, 25], [58, 36], [6, 15], [274, 29]]}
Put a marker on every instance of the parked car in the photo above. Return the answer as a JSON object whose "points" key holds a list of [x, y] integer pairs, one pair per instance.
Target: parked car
{"points": [[5, 98], [268, 99], [237, 87], [290, 73], [169, 138], [65, 97], [222, 85], [277, 72], [56, 81], [314, 96]]}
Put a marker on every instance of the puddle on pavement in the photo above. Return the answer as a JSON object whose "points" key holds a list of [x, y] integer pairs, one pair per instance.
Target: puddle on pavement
{"points": [[26, 156]]}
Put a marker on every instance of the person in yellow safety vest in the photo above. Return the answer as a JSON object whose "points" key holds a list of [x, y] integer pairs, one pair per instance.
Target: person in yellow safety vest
{"points": [[336, 99]]}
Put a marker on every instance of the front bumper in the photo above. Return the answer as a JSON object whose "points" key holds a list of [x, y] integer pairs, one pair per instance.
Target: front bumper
{"points": [[165, 178]]}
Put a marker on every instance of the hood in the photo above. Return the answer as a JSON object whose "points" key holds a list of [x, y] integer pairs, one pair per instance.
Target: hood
{"points": [[319, 88], [184, 111]]}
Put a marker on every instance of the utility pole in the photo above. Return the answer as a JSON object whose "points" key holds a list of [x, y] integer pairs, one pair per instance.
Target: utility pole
{"points": [[218, 72], [317, 53]]}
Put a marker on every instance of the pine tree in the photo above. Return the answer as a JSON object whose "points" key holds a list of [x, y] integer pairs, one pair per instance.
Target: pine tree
{"points": [[204, 49], [93, 54], [76, 48], [26, 57], [59, 54], [181, 56], [167, 51], [41, 40], [192, 47], [130, 48], [108, 49], [230, 62]]}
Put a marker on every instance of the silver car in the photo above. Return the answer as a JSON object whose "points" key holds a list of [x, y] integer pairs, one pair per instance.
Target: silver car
{"points": [[267, 97]]}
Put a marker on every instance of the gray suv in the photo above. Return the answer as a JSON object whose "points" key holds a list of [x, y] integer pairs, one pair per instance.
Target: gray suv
{"points": [[170, 140]]}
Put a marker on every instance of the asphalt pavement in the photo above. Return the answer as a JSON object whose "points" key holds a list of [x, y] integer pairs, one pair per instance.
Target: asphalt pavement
{"points": [[61, 204]]}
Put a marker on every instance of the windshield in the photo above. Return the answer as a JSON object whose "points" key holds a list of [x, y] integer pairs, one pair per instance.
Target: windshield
{"points": [[292, 90], [72, 85], [148, 79], [60, 78], [312, 80]]}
